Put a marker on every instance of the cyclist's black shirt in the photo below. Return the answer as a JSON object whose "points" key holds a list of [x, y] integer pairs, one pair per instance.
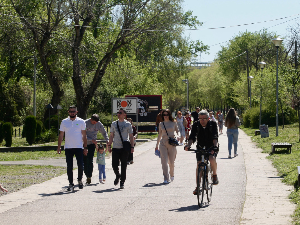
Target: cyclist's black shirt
{"points": [[205, 136]]}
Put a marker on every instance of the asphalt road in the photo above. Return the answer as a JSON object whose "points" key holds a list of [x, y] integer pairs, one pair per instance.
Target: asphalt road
{"points": [[145, 200]]}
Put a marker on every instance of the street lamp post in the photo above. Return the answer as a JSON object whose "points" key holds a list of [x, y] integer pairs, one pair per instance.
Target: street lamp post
{"points": [[187, 93], [277, 43], [250, 78], [262, 66]]}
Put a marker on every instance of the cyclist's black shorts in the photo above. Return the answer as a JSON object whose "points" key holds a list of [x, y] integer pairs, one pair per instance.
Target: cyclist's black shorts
{"points": [[198, 156]]}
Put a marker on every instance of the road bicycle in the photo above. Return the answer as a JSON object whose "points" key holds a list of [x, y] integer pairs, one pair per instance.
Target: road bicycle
{"points": [[204, 176]]}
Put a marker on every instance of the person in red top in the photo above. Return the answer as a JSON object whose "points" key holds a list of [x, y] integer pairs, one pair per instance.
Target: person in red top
{"points": [[188, 126]]}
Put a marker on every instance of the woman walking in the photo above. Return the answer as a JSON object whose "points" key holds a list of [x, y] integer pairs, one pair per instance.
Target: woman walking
{"points": [[181, 123], [168, 152], [232, 122]]}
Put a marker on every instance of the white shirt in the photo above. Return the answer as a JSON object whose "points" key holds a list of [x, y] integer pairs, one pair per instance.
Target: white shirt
{"points": [[72, 129]]}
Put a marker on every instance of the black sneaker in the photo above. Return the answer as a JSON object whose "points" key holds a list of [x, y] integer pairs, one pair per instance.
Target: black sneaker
{"points": [[80, 184], [71, 187], [117, 180], [121, 185]]}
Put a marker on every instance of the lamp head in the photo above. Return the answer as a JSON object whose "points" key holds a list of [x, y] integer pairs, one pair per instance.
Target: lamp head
{"points": [[277, 41], [262, 64], [250, 78]]}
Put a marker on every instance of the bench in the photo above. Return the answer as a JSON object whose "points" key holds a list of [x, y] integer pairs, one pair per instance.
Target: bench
{"points": [[286, 145], [257, 132]]}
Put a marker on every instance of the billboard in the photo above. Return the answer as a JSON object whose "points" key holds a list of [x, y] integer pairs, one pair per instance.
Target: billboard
{"points": [[148, 107], [129, 104]]}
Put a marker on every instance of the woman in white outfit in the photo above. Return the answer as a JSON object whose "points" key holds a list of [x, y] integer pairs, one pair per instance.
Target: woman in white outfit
{"points": [[168, 152], [181, 123]]}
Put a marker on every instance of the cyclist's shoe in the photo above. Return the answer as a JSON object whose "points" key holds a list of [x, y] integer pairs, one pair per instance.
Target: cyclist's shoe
{"points": [[195, 192], [215, 180], [80, 184], [71, 187]]}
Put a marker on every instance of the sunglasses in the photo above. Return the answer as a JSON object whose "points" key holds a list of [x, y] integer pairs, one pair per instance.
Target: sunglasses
{"points": [[119, 113], [203, 118], [165, 114], [72, 111]]}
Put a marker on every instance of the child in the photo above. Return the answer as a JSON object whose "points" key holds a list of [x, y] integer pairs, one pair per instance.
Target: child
{"points": [[101, 162]]}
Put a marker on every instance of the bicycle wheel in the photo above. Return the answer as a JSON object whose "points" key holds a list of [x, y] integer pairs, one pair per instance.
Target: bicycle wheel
{"points": [[200, 187], [209, 183]]}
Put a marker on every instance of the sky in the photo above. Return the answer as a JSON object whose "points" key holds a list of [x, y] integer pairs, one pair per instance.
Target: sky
{"points": [[226, 13]]}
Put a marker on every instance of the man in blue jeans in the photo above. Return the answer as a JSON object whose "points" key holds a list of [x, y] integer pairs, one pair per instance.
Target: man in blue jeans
{"points": [[75, 144], [93, 126]]}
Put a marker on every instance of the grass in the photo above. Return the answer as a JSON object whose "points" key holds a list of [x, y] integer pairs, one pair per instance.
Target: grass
{"points": [[16, 177], [285, 163], [27, 155]]}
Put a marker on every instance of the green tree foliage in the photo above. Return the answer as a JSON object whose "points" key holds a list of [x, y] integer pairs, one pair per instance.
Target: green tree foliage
{"points": [[7, 130], [80, 40], [30, 133], [39, 127]]}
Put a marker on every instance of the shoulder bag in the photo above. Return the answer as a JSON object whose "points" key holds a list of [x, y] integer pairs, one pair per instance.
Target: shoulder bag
{"points": [[126, 144], [172, 141]]}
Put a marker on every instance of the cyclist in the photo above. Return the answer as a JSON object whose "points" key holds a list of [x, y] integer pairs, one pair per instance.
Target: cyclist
{"points": [[206, 133]]}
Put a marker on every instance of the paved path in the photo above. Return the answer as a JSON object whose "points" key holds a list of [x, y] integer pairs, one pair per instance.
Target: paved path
{"points": [[250, 192]]}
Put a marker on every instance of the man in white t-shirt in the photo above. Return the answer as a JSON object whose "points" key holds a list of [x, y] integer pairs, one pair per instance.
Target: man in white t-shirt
{"points": [[75, 144], [118, 152]]}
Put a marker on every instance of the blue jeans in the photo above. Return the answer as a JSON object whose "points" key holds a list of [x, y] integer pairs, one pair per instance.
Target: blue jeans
{"points": [[70, 152], [232, 135], [101, 169]]}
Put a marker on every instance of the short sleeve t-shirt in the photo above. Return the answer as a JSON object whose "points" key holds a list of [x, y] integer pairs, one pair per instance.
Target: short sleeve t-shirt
{"points": [[125, 128], [72, 129]]}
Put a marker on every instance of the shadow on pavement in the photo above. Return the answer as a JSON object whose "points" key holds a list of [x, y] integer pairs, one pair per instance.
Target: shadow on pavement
{"points": [[186, 208], [107, 190], [64, 192], [154, 185]]}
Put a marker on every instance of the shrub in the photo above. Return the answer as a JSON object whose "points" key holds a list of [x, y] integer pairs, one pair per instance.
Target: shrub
{"points": [[1, 132], [7, 130], [47, 136], [39, 127], [53, 122], [30, 133]]}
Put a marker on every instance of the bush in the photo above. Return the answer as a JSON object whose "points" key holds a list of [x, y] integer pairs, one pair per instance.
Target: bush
{"points": [[1, 132], [47, 136], [30, 133], [7, 130], [39, 127], [53, 122]]}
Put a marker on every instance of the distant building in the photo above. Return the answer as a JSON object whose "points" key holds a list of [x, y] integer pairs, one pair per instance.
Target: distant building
{"points": [[200, 65]]}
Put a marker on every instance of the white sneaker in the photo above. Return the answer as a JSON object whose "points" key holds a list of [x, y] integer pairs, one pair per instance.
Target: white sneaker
{"points": [[172, 179], [166, 182], [235, 155], [100, 180]]}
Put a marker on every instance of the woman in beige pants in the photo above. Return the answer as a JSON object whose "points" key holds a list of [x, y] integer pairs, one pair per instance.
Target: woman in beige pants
{"points": [[168, 152]]}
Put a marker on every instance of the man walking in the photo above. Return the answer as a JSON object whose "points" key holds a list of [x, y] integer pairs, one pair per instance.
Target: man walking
{"points": [[195, 115], [75, 138], [93, 126], [119, 132]]}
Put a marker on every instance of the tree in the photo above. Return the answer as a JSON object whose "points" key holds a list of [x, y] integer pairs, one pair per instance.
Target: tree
{"points": [[90, 33]]}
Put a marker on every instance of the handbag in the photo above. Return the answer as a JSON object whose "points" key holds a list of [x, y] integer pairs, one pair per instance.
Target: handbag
{"points": [[172, 141], [126, 144]]}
